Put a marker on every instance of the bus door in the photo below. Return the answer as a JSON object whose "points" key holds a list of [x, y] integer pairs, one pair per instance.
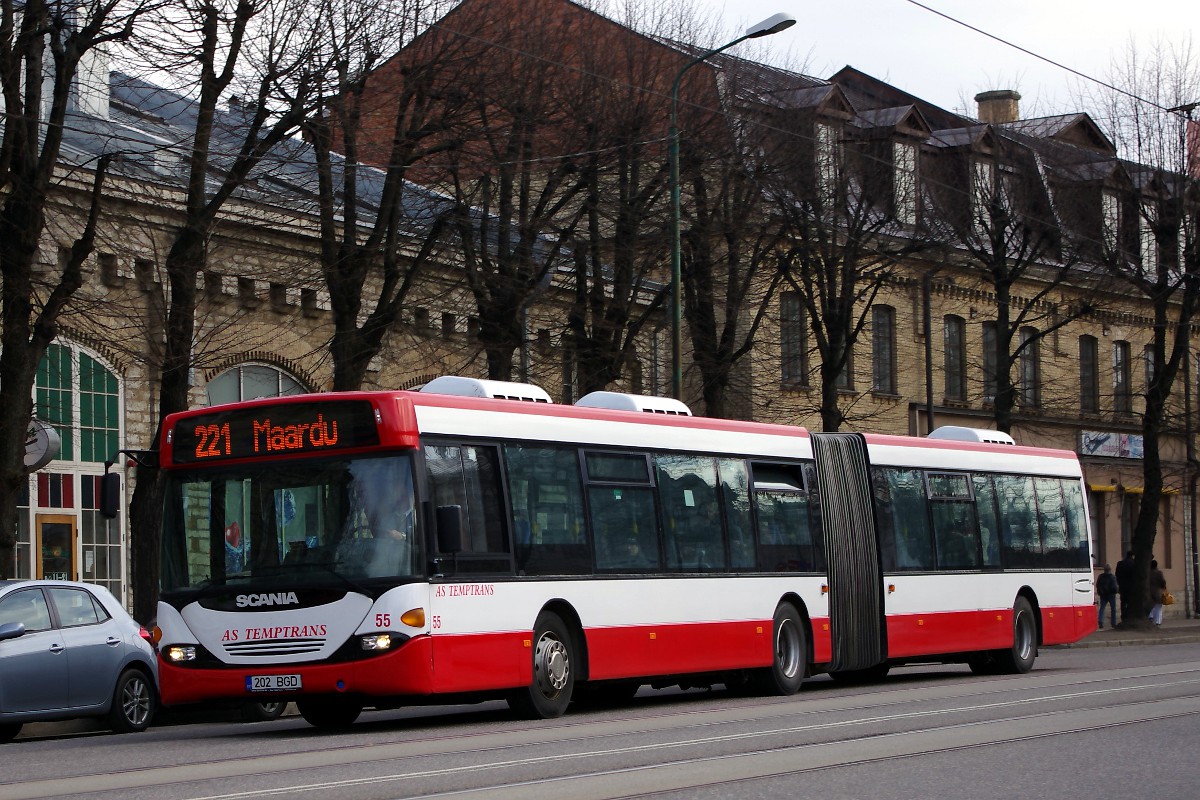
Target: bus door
{"points": [[856, 612]]}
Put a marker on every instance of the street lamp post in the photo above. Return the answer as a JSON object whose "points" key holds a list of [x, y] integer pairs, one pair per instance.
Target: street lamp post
{"points": [[770, 25]]}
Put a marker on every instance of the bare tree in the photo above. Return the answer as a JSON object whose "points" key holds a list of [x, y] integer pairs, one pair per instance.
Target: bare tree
{"points": [[732, 229], [618, 251], [1153, 248], [267, 50], [43, 50], [1001, 215], [515, 174], [848, 221], [377, 228]]}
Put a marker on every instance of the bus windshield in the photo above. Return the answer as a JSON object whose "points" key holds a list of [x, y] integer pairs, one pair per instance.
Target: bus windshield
{"points": [[297, 523]]}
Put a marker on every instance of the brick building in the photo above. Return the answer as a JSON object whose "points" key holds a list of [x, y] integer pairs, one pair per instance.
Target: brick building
{"points": [[923, 356]]}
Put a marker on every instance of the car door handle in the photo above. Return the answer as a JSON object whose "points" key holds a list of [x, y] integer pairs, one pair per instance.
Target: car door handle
{"points": [[57, 648], [112, 641]]}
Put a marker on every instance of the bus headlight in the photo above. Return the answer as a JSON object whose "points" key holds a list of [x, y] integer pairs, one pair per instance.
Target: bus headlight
{"points": [[178, 653], [377, 641]]}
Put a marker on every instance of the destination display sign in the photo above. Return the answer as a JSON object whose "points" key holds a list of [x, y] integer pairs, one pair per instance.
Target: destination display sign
{"points": [[274, 430]]}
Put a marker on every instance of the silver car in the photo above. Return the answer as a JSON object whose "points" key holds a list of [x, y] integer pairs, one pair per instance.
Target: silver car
{"points": [[69, 650]]}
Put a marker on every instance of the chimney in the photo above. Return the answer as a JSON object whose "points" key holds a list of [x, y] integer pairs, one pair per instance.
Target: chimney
{"points": [[999, 106]]}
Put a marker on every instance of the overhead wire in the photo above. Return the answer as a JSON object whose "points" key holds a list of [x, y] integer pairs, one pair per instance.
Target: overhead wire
{"points": [[761, 124], [1041, 57]]}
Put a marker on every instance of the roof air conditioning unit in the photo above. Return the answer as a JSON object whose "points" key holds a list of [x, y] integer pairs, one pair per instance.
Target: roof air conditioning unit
{"points": [[634, 402], [480, 387]]}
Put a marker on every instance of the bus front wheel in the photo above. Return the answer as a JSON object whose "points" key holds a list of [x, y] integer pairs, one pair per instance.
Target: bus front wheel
{"points": [[329, 713], [554, 667], [790, 653]]}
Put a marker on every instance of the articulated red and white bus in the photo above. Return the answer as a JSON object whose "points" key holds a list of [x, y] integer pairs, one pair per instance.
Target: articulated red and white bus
{"points": [[473, 540]]}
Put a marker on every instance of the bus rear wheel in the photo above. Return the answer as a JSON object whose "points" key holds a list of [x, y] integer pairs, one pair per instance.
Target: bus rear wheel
{"points": [[553, 683], [1019, 658], [790, 653], [329, 713]]}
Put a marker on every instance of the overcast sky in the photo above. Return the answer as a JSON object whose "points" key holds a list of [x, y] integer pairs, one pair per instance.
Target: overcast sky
{"points": [[947, 64]]}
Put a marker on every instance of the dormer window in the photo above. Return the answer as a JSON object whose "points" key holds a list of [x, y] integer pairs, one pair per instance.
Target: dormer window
{"points": [[904, 165], [983, 185], [827, 164], [1110, 209], [1147, 241]]}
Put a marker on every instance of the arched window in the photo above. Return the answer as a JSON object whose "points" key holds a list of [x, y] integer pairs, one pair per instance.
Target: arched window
{"points": [[79, 396], [251, 381], [61, 533]]}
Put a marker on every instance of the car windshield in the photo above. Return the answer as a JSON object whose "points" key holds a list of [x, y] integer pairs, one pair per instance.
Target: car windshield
{"points": [[311, 522]]}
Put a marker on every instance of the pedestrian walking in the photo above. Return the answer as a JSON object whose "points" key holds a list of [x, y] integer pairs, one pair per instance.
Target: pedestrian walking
{"points": [[1107, 590], [1124, 575], [1155, 588]]}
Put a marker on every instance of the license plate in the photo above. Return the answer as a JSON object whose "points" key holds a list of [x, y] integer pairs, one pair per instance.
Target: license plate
{"points": [[272, 683]]}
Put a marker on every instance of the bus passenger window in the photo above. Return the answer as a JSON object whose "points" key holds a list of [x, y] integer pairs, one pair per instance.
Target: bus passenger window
{"points": [[910, 519], [469, 476], [735, 501], [985, 504], [1052, 516], [623, 522], [691, 516], [1020, 540], [1077, 524], [546, 493], [955, 530], [785, 542]]}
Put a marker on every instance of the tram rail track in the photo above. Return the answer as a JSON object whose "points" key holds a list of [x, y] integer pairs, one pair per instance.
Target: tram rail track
{"points": [[728, 740]]}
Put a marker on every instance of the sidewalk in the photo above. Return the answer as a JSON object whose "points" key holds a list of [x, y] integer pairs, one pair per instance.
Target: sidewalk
{"points": [[1173, 631]]}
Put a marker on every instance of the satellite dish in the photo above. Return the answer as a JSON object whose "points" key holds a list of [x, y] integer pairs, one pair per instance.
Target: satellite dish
{"points": [[42, 445]]}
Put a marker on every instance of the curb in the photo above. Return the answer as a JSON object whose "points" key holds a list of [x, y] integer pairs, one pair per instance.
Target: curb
{"points": [[164, 719], [1190, 638]]}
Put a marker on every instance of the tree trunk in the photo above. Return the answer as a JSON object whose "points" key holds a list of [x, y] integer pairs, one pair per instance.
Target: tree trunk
{"points": [[183, 263]]}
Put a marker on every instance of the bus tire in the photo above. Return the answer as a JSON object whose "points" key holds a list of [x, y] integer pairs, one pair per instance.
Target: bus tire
{"points": [[133, 702], [789, 650], [329, 713], [604, 695], [553, 683], [982, 663], [9, 731], [1019, 658], [262, 712]]}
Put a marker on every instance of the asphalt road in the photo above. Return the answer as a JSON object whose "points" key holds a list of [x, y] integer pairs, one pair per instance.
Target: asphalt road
{"points": [[1087, 722]]}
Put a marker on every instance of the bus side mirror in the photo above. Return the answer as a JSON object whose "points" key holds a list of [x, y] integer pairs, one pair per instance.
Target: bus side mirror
{"points": [[450, 529], [110, 494]]}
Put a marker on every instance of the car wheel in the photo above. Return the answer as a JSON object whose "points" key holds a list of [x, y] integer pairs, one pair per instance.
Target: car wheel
{"points": [[9, 731], [261, 712], [133, 703]]}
